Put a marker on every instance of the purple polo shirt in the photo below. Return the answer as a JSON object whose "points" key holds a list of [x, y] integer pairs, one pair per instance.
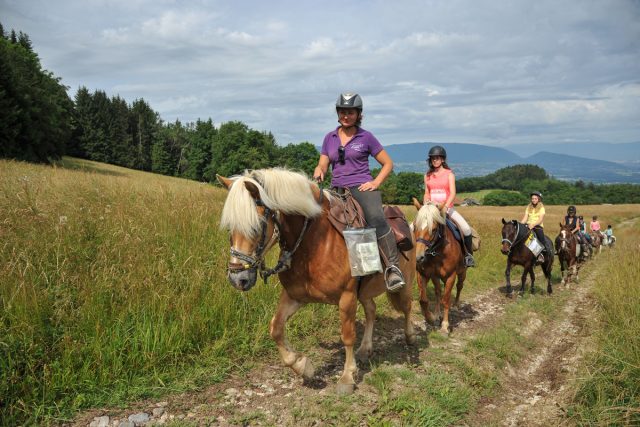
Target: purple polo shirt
{"points": [[355, 170]]}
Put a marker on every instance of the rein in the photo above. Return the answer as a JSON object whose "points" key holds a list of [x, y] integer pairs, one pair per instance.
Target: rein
{"points": [[434, 242]]}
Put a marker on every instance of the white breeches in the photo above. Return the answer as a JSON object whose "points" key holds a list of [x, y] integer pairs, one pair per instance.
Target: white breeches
{"points": [[458, 219]]}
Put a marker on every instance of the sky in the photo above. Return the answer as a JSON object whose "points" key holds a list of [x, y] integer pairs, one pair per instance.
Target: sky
{"points": [[491, 72]]}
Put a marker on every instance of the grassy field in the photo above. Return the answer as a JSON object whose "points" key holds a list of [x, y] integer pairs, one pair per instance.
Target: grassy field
{"points": [[113, 289]]}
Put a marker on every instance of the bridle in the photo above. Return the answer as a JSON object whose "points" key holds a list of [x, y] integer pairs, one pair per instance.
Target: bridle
{"points": [[256, 261], [516, 239], [436, 240]]}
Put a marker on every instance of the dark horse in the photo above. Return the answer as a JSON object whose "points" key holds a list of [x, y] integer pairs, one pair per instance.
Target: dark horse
{"points": [[569, 250], [514, 235], [313, 265], [438, 257]]}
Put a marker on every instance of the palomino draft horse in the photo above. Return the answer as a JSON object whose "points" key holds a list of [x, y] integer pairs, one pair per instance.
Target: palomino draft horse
{"points": [[569, 250], [438, 257], [313, 265], [514, 235]]}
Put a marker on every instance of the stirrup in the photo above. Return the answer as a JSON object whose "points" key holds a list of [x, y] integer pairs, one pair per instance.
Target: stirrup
{"points": [[540, 258], [396, 286], [469, 261]]}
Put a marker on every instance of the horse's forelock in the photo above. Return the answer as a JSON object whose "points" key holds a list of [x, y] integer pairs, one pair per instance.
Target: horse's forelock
{"points": [[428, 216], [239, 212]]}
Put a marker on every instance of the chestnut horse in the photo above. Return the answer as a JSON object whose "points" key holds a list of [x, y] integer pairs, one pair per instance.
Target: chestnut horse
{"points": [[313, 265], [438, 257], [514, 235], [569, 251]]}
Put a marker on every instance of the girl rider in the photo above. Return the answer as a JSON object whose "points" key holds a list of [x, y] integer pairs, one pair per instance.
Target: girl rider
{"points": [[533, 217], [440, 188]]}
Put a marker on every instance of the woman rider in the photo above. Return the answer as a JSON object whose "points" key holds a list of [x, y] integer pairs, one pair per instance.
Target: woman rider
{"points": [[572, 220], [347, 150], [440, 188], [533, 217]]}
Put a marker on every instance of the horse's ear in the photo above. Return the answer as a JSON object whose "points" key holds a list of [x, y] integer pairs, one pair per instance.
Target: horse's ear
{"points": [[560, 225], [503, 221], [416, 203], [226, 182], [253, 190], [443, 210]]}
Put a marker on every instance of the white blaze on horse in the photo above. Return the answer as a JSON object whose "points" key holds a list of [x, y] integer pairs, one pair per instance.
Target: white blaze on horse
{"points": [[313, 266]]}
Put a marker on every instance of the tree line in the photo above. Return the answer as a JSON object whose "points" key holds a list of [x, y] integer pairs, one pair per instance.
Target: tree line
{"points": [[40, 123]]}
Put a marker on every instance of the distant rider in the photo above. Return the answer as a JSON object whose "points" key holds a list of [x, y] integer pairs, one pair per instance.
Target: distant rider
{"points": [[533, 217], [572, 220]]}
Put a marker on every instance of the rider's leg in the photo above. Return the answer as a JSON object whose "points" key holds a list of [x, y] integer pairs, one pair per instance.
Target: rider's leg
{"points": [[467, 237], [371, 203], [540, 236]]}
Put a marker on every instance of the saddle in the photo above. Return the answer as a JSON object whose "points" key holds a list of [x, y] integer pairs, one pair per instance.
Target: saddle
{"points": [[345, 211], [475, 240]]}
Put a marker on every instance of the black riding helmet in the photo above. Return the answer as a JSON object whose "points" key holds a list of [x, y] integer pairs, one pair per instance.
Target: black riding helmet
{"points": [[536, 193], [349, 100], [571, 210], [438, 150]]}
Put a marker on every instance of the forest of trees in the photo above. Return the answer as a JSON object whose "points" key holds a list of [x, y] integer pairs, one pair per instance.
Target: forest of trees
{"points": [[40, 123]]}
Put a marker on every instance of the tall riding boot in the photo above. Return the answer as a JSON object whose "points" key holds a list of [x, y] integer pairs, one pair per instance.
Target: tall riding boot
{"points": [[468, 258], [392, 275]]}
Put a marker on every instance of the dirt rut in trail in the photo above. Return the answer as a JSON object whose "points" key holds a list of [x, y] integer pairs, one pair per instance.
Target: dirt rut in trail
{"points": [[532, 393], [535, 392]]}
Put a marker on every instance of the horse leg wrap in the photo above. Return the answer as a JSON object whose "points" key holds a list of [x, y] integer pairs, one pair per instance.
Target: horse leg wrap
{"points": [[392, 275]]}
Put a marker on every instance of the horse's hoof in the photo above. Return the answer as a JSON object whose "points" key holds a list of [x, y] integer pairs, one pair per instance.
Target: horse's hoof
{"points": [[345, 389], [444, 332], [309, 370], [411, 339], [363, 355]]}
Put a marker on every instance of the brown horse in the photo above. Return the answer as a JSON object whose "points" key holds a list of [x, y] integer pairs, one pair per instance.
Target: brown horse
{"points": [[314, 263], [514, 234], [569, 250], [438, 257]]}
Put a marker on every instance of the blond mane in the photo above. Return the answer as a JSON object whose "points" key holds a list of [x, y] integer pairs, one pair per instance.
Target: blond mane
{"points": [[280, 189], [428, 216]]}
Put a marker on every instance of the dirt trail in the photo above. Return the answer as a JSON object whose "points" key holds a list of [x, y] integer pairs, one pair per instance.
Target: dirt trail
{"points": [[532, 393]]}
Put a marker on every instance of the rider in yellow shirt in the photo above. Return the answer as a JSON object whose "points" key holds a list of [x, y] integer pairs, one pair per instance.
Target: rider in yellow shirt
{"points": [[533, 217]]}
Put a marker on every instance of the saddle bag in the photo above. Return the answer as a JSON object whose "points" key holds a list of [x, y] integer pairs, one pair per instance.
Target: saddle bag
{"points": [[398, 223], [362, 246]]}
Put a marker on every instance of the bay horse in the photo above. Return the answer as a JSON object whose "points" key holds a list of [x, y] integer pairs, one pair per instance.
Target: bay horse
{"points": [[313, 265], [514, 235], [439, 257], [569, 250]]}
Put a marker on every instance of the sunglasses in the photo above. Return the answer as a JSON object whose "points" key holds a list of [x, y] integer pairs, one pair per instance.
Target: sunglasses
{"points": [[341, 155]]}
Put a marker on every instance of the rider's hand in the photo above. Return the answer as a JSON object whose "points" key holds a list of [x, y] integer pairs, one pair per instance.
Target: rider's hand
{"points": [[318, 174], [368, 186]]}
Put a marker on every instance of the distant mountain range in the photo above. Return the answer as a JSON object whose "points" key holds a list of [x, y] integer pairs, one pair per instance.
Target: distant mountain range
{"points": [[598, 163]]}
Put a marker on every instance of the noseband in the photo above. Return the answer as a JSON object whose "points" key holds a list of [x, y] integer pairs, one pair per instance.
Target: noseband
{"points": [[515, 239], [257, 261], [434, 242]]}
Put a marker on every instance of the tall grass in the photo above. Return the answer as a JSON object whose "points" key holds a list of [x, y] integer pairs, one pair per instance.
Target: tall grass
{"points": [[608, 392], [113, 287]]}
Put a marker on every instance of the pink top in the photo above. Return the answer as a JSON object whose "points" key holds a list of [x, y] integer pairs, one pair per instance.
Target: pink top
{"points": [[438, 186], [595, 225]]}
